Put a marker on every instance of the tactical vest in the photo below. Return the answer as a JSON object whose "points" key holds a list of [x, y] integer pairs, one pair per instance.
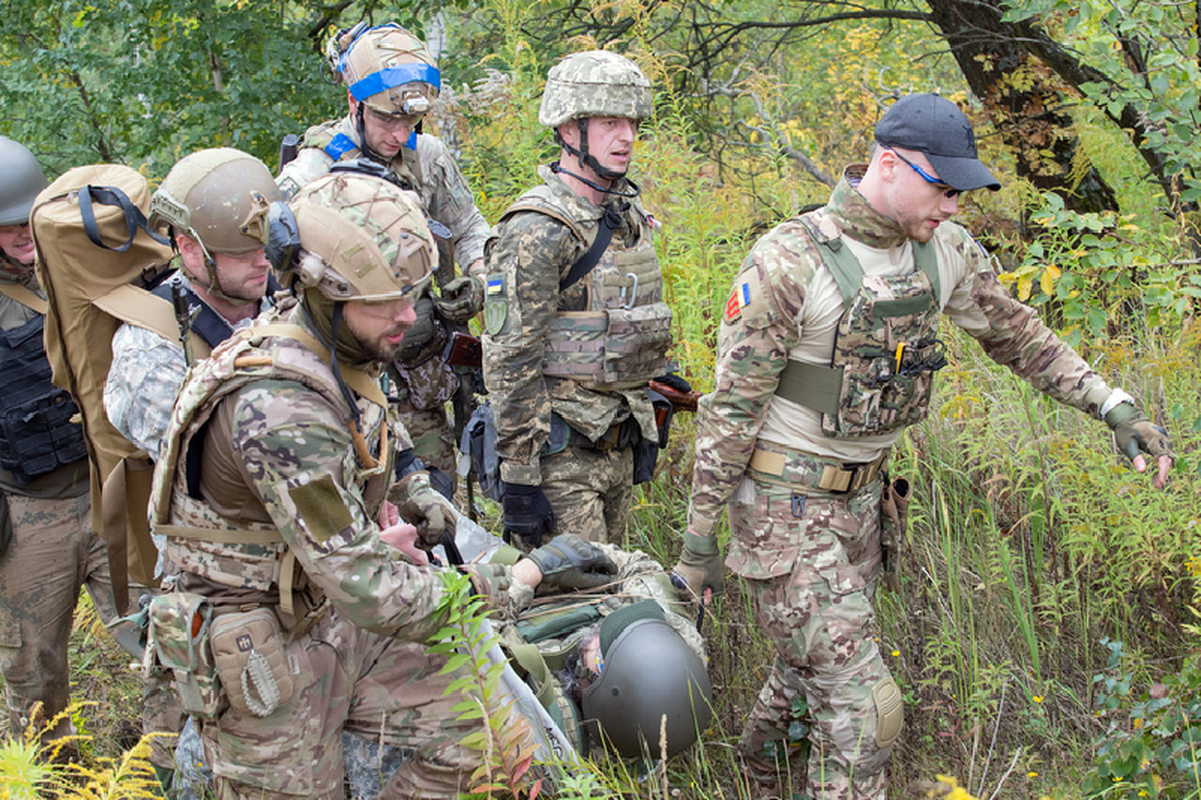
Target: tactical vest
{"points": [[36, 432], [339, 146], [886, 349], [621, 340], [256, 557]]}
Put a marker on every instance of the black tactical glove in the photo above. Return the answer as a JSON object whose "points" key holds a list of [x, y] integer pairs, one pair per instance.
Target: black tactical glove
{"points": [[673, 381], [1133, 432], [700, 568], [569, 562], [462, 298], [527, 512]]}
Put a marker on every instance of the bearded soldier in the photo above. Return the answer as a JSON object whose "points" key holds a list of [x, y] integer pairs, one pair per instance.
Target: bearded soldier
{"points": [[827, 351], [300, 607], [391, 81], [575, 323]]}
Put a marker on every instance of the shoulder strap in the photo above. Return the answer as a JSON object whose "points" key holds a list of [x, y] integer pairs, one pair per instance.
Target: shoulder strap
{"points": [[25, 297], [147, 310], [610, 222], [841, 262], [207, 324]]}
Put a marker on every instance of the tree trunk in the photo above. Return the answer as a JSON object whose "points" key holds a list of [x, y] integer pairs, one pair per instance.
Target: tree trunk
{"points": [[1024, 99]]}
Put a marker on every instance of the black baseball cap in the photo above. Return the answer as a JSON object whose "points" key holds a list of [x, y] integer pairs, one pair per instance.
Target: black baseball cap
{"points": [[936, 127]]}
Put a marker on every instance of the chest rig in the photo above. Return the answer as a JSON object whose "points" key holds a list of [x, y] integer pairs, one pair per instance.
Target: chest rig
{"points": [[36, 432], [620, 336], [255, 556], [886, 349]]}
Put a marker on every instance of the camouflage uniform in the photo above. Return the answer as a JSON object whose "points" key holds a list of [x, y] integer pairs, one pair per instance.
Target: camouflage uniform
{"points": [[811, 556], [537, 241], [434, 176], [279, 459], [53, 552]]}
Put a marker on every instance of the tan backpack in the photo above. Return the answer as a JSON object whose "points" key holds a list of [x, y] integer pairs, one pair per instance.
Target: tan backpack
{"points": [[95, 261]]}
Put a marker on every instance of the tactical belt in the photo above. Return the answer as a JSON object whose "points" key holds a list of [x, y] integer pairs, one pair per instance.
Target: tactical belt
{"points": [[619, 435], [773, 464]]}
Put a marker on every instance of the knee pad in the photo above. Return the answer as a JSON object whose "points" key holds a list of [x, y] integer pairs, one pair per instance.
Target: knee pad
{"points": [[890, 712]]}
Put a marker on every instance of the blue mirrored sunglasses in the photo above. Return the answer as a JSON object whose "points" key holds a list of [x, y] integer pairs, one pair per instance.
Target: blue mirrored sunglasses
{"points": [[927, 177]]}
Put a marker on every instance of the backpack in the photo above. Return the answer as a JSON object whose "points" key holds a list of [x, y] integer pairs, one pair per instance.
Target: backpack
{"points": [[96, 261]]}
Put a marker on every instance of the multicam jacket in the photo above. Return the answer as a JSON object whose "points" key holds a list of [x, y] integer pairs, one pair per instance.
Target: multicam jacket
{"points": [[428, 167], [786, 306], [529, 321], [261, 459]]}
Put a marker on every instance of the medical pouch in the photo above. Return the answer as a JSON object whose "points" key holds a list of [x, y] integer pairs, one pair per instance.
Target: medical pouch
{"points": [[251, 659], [179, 634]]}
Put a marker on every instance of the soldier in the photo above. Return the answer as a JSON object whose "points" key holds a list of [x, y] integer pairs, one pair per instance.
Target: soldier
{"points": [[213, 204], [827, 351], [391, 81], [575, 321], [284, 554], [48, 548]]}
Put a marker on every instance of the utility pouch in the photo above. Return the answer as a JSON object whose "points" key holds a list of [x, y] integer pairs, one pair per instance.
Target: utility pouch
{"points": [[251, 659], [479, 443], [894, 521], [646, 454], [179, 634]]}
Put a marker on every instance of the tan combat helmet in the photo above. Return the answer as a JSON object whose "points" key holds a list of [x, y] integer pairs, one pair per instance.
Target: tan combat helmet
{"points": [[353, 237], [386, 67], [595, 83], [218, 197]]}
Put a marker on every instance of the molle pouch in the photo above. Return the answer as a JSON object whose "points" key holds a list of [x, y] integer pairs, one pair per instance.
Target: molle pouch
{"points": [[179, 634], [646, 454], [894, 521], [252, 661]]}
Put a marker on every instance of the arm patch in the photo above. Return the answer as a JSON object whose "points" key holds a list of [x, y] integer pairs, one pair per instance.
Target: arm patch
{"points": [[320, 507], [748, 304]]}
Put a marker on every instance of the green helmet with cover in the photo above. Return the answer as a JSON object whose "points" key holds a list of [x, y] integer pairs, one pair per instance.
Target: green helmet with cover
{"points": [[386, 67], [649, 673], [219, 197], [23, 180], [594, 83], [353, 237]]}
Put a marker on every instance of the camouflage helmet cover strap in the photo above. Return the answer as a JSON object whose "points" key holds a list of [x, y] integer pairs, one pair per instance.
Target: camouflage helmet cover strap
{"points": [[388, 68]]}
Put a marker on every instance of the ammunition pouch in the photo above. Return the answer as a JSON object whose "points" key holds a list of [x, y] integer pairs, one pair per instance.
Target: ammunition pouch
{"points": [[179, 634], [894, 521]]}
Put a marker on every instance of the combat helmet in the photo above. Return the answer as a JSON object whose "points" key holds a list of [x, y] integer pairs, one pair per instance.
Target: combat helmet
{"points": [[23, 180], [386, 68], [352, 236], [649, 672], [594, 83], [219, 197]]}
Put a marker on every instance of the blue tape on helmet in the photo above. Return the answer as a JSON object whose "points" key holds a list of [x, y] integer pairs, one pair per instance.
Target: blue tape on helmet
{"points": [[399, 75]]}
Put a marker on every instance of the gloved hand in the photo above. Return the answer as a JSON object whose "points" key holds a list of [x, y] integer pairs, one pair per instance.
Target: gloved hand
{"points": [[700, 568], [423, 506], [462, 298], [1134, 434], [674, 381], [569, 562], [527, 512]]}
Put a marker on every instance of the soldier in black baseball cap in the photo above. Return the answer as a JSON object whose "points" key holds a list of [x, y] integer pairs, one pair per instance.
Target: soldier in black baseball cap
{"points": [[936, 127]]}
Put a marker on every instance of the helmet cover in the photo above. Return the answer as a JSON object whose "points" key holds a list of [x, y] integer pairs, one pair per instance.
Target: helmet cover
{"points": [[388, 68], [360, 238], [594, 83]]}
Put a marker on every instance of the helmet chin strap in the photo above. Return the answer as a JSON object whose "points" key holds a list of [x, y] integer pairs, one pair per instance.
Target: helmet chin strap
{"points": [[588, 160], [364, 147]]}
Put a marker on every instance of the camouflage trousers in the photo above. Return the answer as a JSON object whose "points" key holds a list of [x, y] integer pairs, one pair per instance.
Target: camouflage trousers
{"points": [[53, 552], [812, 562], [433, 438], [346, 678], [590, 492]]}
